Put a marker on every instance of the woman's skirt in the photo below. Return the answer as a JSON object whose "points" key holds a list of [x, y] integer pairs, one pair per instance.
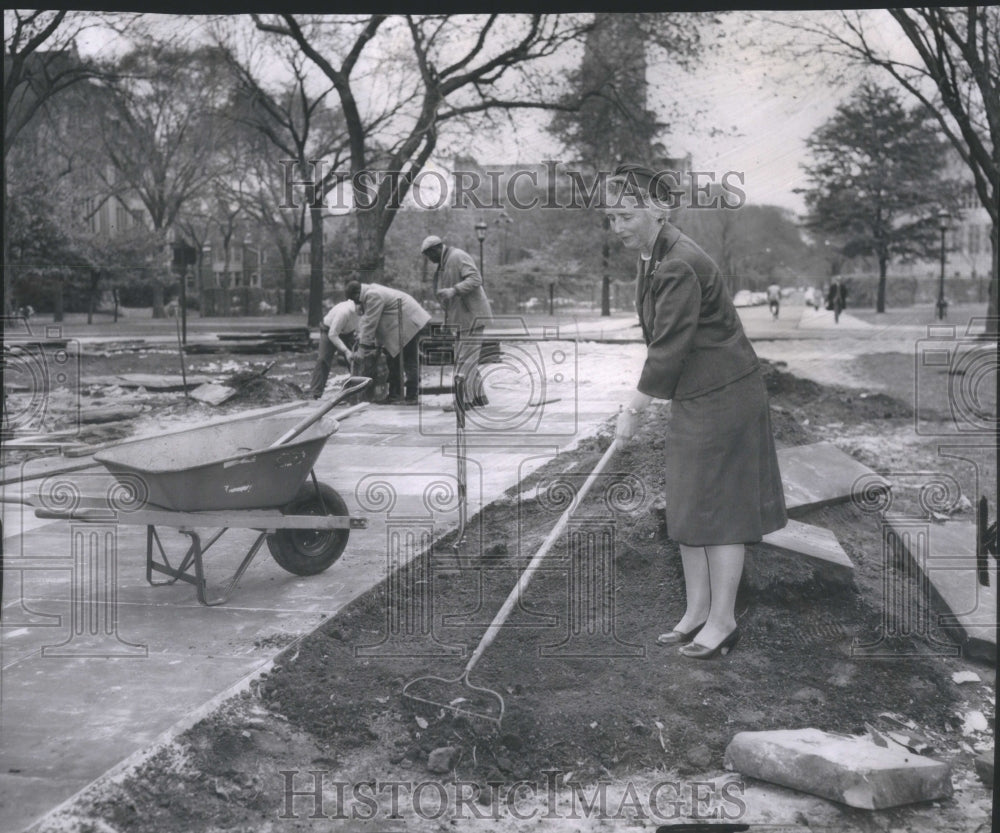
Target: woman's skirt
{"points": [[723, 485]]}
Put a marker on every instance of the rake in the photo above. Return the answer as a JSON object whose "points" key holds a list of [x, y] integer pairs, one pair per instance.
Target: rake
{"points": [[462, 681]]}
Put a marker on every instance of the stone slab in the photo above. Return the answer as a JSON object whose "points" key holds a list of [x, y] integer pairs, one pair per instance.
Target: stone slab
{"points": [[984, 767], [946, 554], [149, 381], [811, 541], [213, 394], [850, 770], [818, 474]]}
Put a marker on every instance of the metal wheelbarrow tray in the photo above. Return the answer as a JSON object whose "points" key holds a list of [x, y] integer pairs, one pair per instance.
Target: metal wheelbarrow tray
{"points": [[226, 466]]}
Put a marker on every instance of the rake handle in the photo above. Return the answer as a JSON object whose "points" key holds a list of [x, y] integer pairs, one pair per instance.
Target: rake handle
{"points": [[536, 560], [351, 386]]}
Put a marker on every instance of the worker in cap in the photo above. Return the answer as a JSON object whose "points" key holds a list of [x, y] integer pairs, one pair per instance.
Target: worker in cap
{"points": [[458, 286], [430, 242]]}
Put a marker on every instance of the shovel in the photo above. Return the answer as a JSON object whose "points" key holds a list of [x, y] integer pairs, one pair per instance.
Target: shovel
{"points": [[353, 385], [460, 685]]}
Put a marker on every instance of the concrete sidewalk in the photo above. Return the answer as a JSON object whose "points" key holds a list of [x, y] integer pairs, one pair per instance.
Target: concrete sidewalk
{"points": [[89, 681]]}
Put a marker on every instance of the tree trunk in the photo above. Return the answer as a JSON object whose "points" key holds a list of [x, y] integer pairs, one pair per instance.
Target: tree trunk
{"points": [[606, 279], [288, 294], [158, 310], [371, 259], [114, 294], [95, 281], [880, 295], [57, 314], [316, 266], [226, 307], [992, 316], [8, 273]]}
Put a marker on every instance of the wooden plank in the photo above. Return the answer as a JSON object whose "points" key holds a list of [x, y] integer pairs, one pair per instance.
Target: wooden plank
{"points": [[818, 474], [161, 382], [270, 519], [811, 541]]}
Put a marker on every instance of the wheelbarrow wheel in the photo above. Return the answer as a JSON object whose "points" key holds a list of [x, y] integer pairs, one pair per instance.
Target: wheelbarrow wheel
{"points": [[307, 552]]}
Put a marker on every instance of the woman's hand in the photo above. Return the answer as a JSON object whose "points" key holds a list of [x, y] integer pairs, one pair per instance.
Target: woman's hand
{"points": [[628, 419]]}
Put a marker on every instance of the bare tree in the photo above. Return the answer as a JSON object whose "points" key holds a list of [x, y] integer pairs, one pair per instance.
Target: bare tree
{"points": [[164, 129], [955, 74], [463, 66], [298, 128]]}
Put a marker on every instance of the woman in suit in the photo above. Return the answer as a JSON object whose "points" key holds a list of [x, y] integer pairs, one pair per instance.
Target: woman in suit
{"points": [[723, 487]]}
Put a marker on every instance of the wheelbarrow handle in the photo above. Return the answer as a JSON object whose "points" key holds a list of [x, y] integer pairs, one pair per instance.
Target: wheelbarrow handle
{"points": [[353, 385]]}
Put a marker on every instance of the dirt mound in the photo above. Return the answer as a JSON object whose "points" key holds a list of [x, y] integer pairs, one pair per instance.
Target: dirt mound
{"points": [[830, 402], [260, 390]]}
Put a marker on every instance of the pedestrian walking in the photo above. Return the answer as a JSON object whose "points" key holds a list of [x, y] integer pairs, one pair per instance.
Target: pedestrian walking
{"points": [[774, 300], [836, 298], [723, 487], [458, 285]]}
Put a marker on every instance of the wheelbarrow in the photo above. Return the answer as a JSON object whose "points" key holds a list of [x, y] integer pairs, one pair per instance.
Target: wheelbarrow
{"points": [[248, 475]]}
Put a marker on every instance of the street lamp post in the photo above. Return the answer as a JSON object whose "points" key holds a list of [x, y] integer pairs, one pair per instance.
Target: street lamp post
{"points": [[481, 235], [942, 304]]}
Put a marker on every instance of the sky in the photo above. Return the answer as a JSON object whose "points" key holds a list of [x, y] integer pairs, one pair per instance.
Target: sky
{"points": [[748, 106]]}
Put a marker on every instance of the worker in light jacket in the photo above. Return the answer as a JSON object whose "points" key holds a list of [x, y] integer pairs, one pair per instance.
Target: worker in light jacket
{"points": [[337, 333], [458, 285], [393, 321]]}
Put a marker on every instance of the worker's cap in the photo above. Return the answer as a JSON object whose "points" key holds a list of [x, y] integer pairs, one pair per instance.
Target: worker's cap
{"points": [[352, 291], [430, 242], [657, 184]]}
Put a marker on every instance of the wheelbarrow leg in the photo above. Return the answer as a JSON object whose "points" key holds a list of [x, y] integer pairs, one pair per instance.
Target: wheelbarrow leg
{"points": [[201, 586], [319, 493], [178, 573]]}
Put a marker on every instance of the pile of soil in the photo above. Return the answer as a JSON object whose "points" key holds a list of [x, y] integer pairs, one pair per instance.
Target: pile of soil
{"points": [[598, 701]]}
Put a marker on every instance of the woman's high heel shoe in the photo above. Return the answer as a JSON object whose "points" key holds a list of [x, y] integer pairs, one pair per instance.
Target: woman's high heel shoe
{"points": [[676, 637], [696, 651]]}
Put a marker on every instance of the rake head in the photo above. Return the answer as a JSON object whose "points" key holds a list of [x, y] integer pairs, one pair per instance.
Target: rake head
{"points": [[458, 696]]}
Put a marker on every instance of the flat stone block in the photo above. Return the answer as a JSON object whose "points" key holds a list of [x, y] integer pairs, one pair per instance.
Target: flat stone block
{"points": [[851, 770], [811, 541], [984, 767], [946, 554], [213, 394], [818, 474]]}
